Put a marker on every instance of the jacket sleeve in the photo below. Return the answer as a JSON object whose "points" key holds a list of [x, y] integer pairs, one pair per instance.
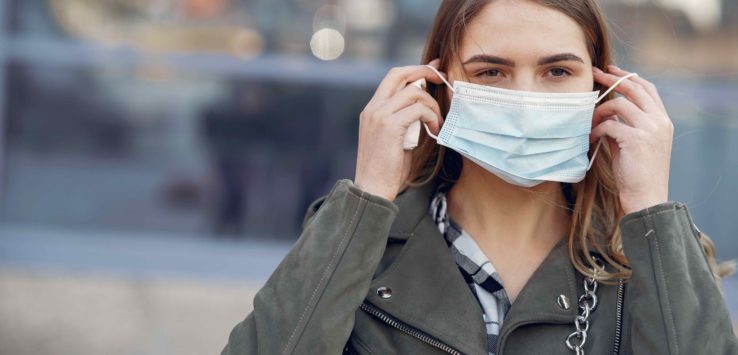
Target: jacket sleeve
{"points": [[672, 303], [307, 305]]}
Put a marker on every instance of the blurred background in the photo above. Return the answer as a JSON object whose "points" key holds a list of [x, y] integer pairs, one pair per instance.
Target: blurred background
{"points": [[157, 156]]}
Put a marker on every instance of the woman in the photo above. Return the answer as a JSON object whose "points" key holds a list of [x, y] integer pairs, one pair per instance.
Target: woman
{"points": [[464, 245]]}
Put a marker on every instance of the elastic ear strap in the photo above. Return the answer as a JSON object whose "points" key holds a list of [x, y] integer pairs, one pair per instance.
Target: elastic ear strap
{"points": [[599, 143], [615, 85], [597, 149], [427, 130], [441, 76]]}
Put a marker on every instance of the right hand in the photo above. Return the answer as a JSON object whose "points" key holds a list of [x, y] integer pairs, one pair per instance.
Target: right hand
{"points": [[382, 165]]}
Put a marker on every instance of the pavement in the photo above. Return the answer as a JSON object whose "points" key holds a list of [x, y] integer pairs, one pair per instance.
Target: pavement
{"points": [[116, 294], [46, 313]]}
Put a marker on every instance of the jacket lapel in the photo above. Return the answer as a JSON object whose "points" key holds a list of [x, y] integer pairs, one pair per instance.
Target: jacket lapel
{"points": [[537, 302], [428, 291]]}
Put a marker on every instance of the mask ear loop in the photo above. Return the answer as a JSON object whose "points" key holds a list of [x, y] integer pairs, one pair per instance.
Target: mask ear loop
{"points": [[599, 143], [427, 130]]}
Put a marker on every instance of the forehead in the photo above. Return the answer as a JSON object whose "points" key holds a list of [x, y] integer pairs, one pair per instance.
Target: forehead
{"points": [[522, 29]]}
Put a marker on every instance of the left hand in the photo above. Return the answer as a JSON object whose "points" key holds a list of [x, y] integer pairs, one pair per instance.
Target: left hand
{"points": [[640, 143]]}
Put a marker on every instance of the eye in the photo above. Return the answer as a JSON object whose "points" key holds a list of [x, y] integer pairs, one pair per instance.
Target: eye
{"points": [[558, 73], [490, 73]]}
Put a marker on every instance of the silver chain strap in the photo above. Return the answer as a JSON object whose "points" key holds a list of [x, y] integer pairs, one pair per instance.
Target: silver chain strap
{"points": [[587, 304]]}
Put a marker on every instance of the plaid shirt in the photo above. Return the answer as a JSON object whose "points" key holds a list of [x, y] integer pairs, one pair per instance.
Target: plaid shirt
{"points": [[475, 267]]}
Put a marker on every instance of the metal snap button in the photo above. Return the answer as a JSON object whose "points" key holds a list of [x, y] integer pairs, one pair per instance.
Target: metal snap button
{"points": [[384, 292], [563, 302]]}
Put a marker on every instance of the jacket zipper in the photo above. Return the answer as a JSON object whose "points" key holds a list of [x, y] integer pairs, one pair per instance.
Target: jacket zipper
{"points": [[407, 329], [420, 335], [618, 319]]}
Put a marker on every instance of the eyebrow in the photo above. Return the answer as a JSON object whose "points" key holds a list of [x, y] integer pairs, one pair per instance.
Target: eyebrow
{"points": [[563, 57], [493, 59]]}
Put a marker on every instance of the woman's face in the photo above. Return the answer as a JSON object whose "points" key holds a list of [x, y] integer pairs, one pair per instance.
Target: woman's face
{"points": [[521, 45]]}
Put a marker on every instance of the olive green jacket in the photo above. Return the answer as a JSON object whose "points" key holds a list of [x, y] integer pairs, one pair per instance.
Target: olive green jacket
{"points": [[323, 297]]}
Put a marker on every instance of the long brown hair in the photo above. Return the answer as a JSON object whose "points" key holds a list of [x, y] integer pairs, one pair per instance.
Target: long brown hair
{"points": [[597, 211]]}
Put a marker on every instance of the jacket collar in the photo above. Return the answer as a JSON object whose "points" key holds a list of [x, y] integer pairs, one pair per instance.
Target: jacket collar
{"points": [[413, 204], [429, 292]]}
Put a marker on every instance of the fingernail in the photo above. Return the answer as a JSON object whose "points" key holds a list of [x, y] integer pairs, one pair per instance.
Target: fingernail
{"points": [[615, 67], [597, 69], [434, 63]]}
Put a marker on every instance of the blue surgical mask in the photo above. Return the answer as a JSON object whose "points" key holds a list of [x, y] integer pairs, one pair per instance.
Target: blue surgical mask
{"points": [[523, 137]]}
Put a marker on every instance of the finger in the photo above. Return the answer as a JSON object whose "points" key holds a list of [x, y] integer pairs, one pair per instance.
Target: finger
{"points": [[647, 85], [611, 128], [415, 112], [397, 78], [627, 88], [408, 96], [596, 122], [620, 107]]}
